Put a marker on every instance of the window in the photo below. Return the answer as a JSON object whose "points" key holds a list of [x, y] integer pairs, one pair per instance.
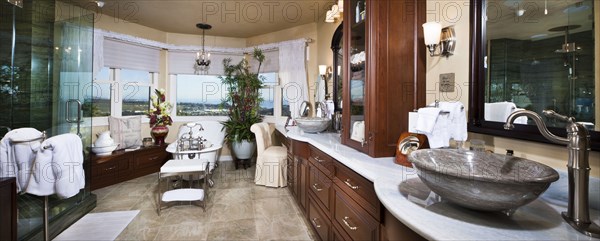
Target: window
{"points": [[203, 95], [270, 82], [135, 91], [200, 95], [121, 92]]}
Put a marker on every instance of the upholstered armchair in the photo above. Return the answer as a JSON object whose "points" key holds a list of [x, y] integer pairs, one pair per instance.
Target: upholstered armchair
{"points": [[271, 161]]}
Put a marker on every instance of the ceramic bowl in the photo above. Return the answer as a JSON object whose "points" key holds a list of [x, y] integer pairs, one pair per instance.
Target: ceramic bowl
{"points": [[313, 124], [480, 180], [104, 150]]}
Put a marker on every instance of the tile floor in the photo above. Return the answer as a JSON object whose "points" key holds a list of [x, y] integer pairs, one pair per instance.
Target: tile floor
{"points": [[237, 210]]}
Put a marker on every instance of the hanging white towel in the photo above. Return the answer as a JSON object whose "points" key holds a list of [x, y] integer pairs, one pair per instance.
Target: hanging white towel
{"points": [[16, 159], [457, 118], [426, 119], [440, 135], [59, 168]]}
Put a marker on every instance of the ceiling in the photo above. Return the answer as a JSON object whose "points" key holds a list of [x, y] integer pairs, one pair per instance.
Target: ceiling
{"points": [[527, 20], [230, 18]]}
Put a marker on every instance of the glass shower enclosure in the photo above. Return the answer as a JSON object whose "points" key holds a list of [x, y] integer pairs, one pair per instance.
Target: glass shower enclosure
{"points": [[46, 73]]}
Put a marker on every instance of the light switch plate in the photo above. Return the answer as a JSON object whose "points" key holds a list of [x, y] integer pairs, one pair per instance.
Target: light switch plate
{"points": [[447, 82]]}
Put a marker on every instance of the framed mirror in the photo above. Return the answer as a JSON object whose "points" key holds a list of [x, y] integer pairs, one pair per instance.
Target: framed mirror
{"points": [[534, 55], [338, 61]]}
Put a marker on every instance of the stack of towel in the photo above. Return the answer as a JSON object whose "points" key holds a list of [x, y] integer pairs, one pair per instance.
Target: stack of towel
{"points": [[59, 168], [442, 123], [16, 159], [54, 166], [499, 112]]}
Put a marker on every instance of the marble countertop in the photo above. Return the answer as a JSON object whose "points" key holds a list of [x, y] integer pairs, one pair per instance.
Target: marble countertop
{"points": [[425, 214]]}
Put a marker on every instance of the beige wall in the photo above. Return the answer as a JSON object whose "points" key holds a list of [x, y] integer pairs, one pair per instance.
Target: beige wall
{"points": [[302, 31], [442, 11], [196, 39]]}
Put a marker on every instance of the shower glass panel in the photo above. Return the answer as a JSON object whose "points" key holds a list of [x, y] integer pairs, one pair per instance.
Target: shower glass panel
{"points": [[46, 73], [541, 55]]}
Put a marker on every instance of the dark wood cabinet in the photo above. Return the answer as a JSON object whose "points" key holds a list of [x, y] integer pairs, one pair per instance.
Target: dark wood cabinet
{"points": [[8, 208], [381, 88], [298, 172], [122, 166], [338, 203], [350, 217], [318, 219]]}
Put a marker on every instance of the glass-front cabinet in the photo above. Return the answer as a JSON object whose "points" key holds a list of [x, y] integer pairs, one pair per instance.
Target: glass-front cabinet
{"points": [[357, 43], [384, 72]]}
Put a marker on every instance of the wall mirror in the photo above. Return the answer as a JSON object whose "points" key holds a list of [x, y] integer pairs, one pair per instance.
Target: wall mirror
{"points": [[338, 61], [534, 55]]}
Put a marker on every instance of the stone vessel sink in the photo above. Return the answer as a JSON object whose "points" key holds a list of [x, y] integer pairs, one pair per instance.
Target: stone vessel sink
{"points": [[313, 124], [480, 180]]}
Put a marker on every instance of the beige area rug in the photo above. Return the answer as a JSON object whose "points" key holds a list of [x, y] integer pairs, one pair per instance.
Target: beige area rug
{"points": [[98, 226]]}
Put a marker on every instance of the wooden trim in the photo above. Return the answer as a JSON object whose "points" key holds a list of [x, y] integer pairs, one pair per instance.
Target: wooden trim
{"points": [[477, 78]]}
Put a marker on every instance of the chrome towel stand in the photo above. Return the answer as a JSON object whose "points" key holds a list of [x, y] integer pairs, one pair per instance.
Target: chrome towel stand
{"points": [[40, 139]]}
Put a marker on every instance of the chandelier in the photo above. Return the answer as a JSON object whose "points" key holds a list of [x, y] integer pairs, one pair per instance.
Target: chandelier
{"points": [[202, 58]]}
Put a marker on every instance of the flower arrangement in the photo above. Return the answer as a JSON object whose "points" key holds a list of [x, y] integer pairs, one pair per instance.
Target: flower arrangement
{"points": [[243, 97], [160, 112]]}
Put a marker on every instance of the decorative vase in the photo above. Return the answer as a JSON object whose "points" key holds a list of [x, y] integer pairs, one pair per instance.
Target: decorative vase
{"points": [[243, 150], [159, 133]]}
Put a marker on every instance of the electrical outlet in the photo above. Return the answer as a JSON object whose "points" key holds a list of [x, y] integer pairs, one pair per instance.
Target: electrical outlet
{"points": [[447, 82]]}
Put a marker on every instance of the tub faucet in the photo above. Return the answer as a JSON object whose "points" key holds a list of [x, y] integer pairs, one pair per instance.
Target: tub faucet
{"points": [[578, 145]]}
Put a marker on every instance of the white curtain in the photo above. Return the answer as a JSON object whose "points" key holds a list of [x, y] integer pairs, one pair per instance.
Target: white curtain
{"points": [[292, 72], [119, 54], [183, 62], [98, 61]]}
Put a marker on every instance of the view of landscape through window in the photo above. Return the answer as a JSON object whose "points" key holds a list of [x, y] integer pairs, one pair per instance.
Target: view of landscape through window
{"points": [[132, 92], [197, 95], [203, 95]]}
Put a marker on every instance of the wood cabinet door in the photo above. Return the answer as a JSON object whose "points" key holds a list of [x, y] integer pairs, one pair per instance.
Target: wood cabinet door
{"points": [[393, 72], [352, 219]]}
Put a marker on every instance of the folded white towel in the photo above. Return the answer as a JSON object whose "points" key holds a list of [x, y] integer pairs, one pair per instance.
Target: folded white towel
{"points": [[358, 131], [16, 159], [521, 119], [498, 111], [59, 169], [426, 119]]}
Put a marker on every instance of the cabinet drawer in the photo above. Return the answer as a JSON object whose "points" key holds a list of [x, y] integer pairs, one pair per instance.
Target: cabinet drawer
{"points": [[359, 189], [320, 223], [320, 186], [352, 219], [322, 161], [154, 158], [105, 169]]}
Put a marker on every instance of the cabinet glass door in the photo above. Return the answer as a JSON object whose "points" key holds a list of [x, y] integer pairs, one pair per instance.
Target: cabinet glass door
{"points": [[357, 74]]}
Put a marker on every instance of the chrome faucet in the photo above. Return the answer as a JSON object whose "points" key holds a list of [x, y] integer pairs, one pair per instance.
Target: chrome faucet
{"points": [[578, 145], [322, 107]]}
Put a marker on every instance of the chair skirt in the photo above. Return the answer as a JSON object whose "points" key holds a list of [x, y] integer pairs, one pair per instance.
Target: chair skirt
{"points": [[271, 167]]}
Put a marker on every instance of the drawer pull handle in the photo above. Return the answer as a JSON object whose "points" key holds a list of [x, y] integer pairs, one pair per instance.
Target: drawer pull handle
{"points": [[317, 188], [350, 185], [345, 220], [110, 168], [314, 221], [318, 160]]}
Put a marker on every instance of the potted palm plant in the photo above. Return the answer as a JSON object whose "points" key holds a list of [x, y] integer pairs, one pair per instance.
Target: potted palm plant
{"points": [[243, 102]]}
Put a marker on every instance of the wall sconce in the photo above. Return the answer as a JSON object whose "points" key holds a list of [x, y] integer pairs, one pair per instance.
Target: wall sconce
{"points": [[436, 36], [325, 72]]}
